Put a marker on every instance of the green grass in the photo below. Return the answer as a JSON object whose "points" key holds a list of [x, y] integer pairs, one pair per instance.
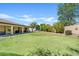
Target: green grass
{"points": [[23, 44]]}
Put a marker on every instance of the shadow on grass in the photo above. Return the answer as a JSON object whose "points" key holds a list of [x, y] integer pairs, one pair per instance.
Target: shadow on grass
{"points": [[47, 52], [9, 54], [76, 50]]}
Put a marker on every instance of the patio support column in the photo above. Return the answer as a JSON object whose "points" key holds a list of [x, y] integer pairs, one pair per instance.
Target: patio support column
{"points": [[22, 29], [11, 29]]}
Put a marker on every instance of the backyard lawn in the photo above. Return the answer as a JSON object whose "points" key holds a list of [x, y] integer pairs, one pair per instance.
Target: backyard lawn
{"points": [[23, 44]]}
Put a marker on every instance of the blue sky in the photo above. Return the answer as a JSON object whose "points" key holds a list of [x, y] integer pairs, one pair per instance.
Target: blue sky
{"points": [[25, 13]]}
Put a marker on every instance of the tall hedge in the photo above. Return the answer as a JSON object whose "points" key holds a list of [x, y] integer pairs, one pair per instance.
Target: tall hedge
{"points": [[59, 27]]}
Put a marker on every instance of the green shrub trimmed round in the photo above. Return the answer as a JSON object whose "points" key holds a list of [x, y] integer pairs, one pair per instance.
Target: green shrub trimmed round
{"points": [[68, 32]]}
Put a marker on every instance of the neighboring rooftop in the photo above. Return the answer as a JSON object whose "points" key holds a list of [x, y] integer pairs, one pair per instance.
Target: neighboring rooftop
{"points": [[9, 22]]}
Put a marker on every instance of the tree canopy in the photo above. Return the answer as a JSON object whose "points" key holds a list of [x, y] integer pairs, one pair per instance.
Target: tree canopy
{"points": [[67, 13], [33, 25]]}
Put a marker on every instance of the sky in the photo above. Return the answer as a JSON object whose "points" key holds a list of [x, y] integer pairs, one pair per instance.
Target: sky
{"points": [[25, 13]]}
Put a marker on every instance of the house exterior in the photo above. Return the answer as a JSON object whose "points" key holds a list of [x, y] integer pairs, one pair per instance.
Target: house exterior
{"points": [[8, 27], [73, 28], [30, 29]]}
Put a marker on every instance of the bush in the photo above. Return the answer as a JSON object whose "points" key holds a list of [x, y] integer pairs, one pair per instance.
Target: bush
{"points": [[49, 29], [41, 52], [46, 27], [59, 27], [68, 32]]}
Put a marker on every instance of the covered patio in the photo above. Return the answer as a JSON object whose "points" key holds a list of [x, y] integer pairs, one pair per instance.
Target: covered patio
{"points": [[11, 28]]}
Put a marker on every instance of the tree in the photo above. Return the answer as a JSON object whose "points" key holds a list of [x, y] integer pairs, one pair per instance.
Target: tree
{"points": [[49, 28], [67, 13], [33, 25], [46, 27], [77, 13], [59, 27], [42, 27], [37, 27]]}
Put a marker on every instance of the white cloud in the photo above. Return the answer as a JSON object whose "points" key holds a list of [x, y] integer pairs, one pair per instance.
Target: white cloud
{"points": [[49, 19], [25, 16], [5, 16], [42, 18], [46, 19], [28, 19]]}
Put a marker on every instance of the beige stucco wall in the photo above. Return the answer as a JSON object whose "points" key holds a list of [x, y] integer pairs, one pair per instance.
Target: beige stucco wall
{"points": [[1, 28], [73, 28], [5, 29]]}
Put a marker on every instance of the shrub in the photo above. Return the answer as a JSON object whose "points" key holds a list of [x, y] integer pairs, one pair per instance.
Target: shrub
{"points": [[49, 29], [68, 32], [59, 27], [41, 52]]}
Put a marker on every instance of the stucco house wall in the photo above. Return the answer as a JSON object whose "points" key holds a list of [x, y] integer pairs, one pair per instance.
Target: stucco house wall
{"points": [[2, 29], [73, 28]]}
